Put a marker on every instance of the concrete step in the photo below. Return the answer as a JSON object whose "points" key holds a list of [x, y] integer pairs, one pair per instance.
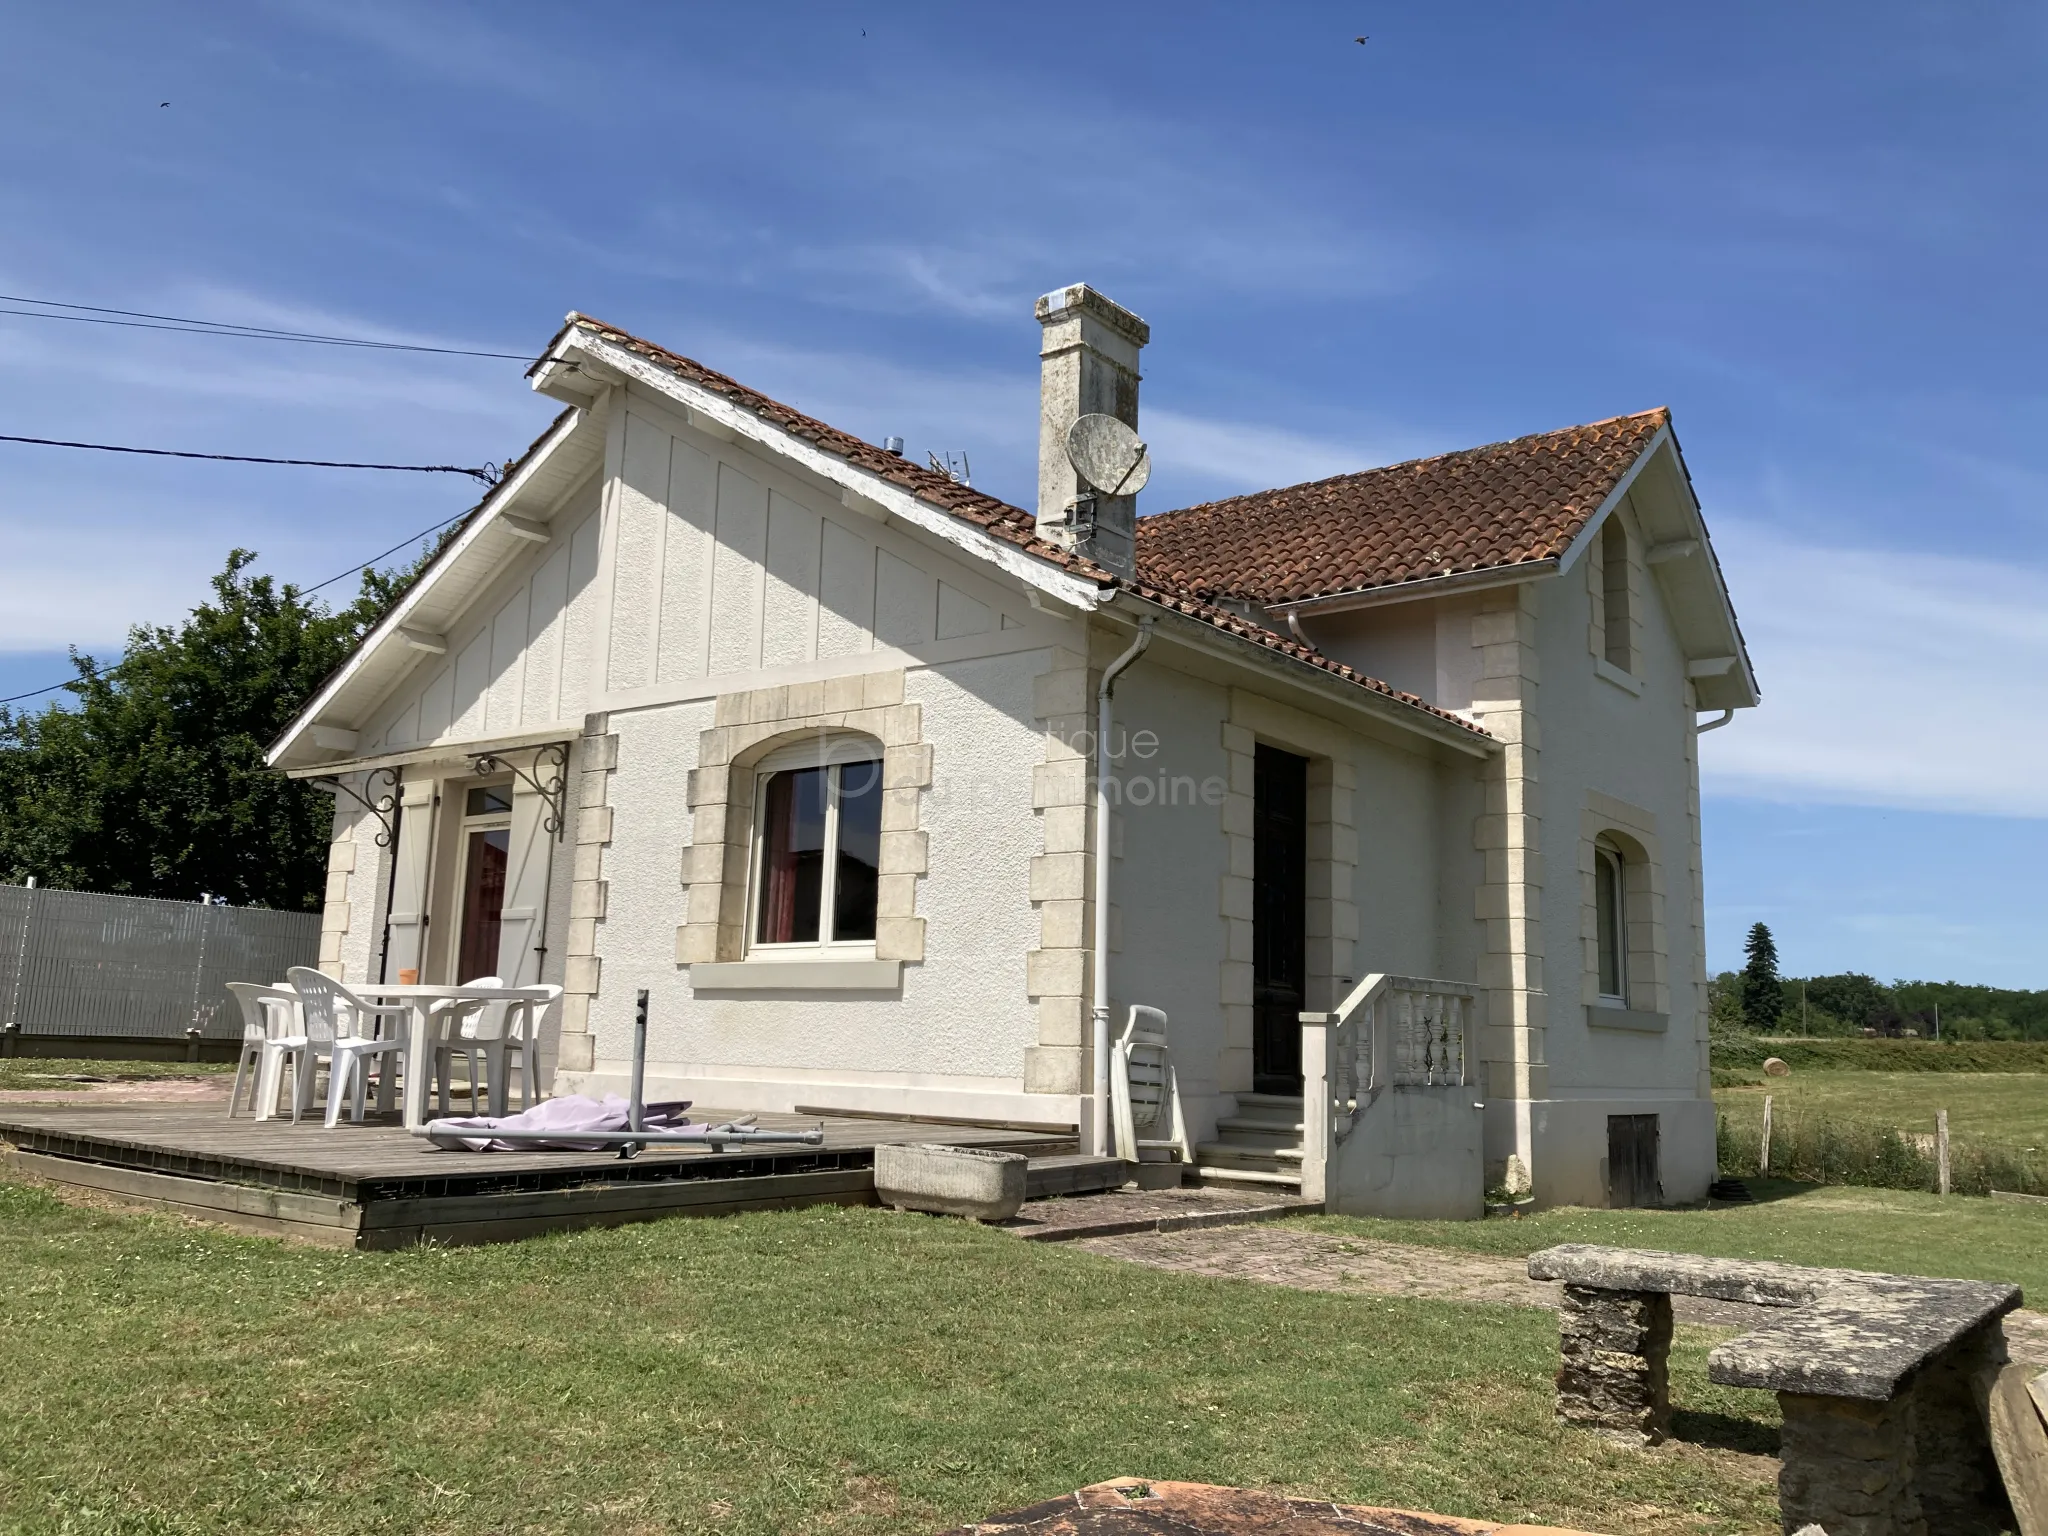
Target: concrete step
{"points": [[1073, 1174], [1210, 1176], [1277, 1132], [1247, 1155], [1266, 1109]]}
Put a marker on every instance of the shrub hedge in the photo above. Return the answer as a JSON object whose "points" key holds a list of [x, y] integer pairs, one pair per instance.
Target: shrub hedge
{"points": [[1743, 1056]]}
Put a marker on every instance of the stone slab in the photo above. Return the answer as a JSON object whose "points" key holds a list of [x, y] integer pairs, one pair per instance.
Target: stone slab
{"points": [[1129, 1506], [2019, 1439], [1121, 1212], [1842, 1332]]}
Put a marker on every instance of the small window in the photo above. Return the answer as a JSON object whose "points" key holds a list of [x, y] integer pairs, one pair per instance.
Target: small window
{"points": [[1615, 627], [819, 854], [491, 800], [1608, 889]]}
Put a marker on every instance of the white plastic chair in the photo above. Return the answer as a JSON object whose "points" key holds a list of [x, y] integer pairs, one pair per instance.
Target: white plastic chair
{"points": [[1144, 1093], [270, 1042], [338, 1026], [468, 1030], [485, 1034]]}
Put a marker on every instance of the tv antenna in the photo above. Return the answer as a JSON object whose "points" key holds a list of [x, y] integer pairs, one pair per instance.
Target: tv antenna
{"points": [[1109, 457], [953, 466]]}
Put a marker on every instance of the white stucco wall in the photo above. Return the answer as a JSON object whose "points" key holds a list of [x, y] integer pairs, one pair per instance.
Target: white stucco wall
{"points": [[957, 1032], [519, 658], [1167, 871], [1599, 735]]}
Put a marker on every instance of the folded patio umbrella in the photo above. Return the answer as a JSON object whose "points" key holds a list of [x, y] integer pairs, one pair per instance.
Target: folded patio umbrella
{"points": [[558, 1120]]}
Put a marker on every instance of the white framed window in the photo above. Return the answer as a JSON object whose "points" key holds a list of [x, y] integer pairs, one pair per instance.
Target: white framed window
{"points": [[1611, 923], [817, 848]]}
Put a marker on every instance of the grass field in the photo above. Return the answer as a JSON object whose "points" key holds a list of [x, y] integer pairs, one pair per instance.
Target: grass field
{"points": [[58, 1072], [826, 1370], [2008, 1108], [1880, 1229]]}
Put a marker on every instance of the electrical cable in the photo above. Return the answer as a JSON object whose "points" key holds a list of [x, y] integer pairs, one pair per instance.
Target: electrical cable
{"points": [[303, 591], [145, 320], [487, 474]]}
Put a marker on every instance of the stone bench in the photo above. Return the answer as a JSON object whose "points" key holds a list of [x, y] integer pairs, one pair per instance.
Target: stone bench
{"points": [[1874, 1373]]}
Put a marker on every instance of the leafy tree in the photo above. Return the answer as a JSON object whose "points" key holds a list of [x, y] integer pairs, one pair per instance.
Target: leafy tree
{"points": [[154, 785], [1763, 995]]}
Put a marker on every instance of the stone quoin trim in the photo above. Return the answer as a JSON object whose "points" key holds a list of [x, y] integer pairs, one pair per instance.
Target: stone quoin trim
{"points": [[1057, 973], [746, 727], [597, 758], [1696, 894], [1509, 837], [335, 909]]}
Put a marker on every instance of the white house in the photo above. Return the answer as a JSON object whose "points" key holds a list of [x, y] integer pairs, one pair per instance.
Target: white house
{"points": [[714, 700]]}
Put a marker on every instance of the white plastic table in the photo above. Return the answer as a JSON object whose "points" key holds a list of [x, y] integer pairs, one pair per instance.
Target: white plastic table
{"points": [[422, 997]]}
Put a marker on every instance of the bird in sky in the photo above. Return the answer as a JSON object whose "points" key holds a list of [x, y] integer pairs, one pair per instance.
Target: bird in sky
{"points": [[163, 103], [1361, 39]]}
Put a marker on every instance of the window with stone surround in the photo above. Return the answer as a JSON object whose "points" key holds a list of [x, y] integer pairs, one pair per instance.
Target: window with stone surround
{"points": [[852, 815], [817, 846]]}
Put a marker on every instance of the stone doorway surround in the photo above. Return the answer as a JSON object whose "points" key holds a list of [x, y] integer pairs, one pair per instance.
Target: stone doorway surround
{"points": [[1332, 914]]}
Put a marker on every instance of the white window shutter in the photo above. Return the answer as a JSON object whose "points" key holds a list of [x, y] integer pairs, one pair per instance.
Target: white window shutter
{"points": [[406, 924], [526, 888]]}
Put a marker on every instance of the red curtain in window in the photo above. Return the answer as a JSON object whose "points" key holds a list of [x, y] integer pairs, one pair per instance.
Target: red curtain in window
{"points": [[792, 858]]}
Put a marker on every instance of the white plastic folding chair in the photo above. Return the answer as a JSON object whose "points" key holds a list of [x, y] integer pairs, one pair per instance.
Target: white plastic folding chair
{"points": [[486, 1034], [271, 1040], [340, 1026], [523, 1036], [469, 1030]]}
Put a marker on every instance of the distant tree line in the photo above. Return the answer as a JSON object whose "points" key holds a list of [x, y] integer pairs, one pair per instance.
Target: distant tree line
{"points": [[1757, 999], [153, 782]]}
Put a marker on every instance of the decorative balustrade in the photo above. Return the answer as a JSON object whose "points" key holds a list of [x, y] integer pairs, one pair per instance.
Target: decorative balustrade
{"points": [[1390, 1032]]}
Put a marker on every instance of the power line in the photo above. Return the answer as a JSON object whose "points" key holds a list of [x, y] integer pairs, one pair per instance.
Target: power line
{"points": [[34, 693], [144, 320], [488, 475]]}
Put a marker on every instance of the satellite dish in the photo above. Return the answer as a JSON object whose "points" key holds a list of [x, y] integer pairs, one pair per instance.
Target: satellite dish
{"points": [[1108, 456]]}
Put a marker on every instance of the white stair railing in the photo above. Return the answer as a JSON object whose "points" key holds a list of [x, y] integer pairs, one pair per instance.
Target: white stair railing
{"points": [[1390, 1032]]}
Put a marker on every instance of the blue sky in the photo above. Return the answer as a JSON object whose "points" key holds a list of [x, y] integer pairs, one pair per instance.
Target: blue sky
{"points": [[1813, 231]]}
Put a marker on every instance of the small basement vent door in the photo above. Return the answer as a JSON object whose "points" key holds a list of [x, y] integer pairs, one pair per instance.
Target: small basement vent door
{"points": [[1632, 1173]]}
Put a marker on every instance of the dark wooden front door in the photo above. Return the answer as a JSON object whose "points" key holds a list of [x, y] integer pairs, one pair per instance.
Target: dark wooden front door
{"points": [[1279, 918], [1633, 1177]]}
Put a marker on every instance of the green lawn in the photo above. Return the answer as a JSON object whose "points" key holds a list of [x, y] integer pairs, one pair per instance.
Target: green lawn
{"points": [[1883, 1229], [58, 1072], [2009, 1108], [824, 1370]]}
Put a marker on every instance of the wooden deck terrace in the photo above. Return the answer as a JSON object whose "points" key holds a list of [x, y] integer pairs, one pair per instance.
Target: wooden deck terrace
{"points": [[375, 1186]]}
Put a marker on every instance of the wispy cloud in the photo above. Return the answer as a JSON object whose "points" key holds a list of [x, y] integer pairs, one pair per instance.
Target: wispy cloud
{"points": [[1251, 456], [1890, 679]]}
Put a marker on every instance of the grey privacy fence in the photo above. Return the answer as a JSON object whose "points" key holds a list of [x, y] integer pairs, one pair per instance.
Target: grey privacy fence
{"points": [[84, 965]]}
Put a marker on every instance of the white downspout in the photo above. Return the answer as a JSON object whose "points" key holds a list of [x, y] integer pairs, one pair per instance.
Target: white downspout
{"points": [[1098, 1107], [1713, 725]]}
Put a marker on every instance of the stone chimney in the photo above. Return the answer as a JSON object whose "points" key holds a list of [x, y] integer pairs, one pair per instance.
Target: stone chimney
{"points": [[1088, 365]]}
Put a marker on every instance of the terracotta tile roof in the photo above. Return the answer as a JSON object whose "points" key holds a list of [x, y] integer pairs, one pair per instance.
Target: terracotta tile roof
{"points": [[1012, 524], [1504, 504], [1287, 645]]}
